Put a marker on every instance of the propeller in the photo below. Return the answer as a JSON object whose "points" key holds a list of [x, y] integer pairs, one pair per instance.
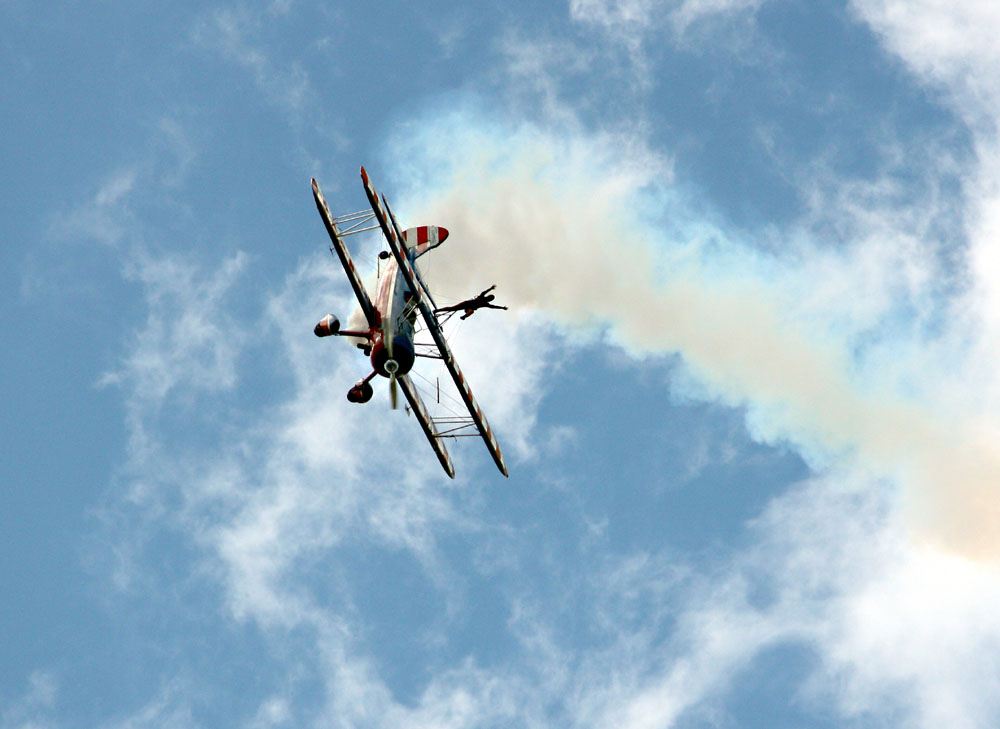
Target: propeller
{"points": [[391, 365]]}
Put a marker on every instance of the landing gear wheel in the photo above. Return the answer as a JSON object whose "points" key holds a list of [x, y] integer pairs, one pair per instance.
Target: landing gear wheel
{"points": [[361, 392]]}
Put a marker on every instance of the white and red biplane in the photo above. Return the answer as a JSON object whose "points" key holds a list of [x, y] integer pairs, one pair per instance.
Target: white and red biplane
{"points": [[392, 320]]}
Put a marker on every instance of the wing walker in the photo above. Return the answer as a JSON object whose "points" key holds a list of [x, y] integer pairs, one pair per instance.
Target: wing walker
{"points": [[471, 306], [402, 297]]}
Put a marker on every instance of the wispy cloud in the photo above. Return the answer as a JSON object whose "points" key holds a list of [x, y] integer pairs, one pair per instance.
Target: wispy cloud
{"points": [[535, 71], [170, 708], [105, 217], [233, 34], [948, 44], [296, 488], [634, 24], [876, 608], [108, 222], [627, 21], [35, 708]]}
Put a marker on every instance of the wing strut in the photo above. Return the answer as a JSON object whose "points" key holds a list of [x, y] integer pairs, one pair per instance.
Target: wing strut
{"points": [[395, 237], [337, 246], [426, 423]]}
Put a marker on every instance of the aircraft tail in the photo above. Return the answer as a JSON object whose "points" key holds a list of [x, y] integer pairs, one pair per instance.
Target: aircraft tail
{"points": [[423, 238]]}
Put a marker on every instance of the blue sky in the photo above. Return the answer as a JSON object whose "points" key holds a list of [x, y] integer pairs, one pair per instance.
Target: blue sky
{"points": [[746, 387]]}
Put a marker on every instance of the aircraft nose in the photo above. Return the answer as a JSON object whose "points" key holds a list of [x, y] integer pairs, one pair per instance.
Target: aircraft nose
{"points": [[402, 354]]}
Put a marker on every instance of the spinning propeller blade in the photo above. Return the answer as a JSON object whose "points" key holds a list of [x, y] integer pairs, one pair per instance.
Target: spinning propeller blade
{"points": [[390, 364]]}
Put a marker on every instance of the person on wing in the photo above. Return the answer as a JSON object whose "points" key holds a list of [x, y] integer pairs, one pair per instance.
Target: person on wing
{"points": [[469, 306]]}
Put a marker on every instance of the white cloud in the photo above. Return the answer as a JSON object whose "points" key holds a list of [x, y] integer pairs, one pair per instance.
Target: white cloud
{"points": [[629, 22], [109, 222], [189, 344], [189, 337], [272, 713], [950, 44], [231, 32], [625, 17], [899, 632], [170, 708], [950, 47], [897, 625], [691, 11], [536, 69], [103, 219], [34, 709]]}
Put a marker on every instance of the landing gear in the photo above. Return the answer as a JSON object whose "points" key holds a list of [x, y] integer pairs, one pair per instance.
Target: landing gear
{"points": [[361, 392]]}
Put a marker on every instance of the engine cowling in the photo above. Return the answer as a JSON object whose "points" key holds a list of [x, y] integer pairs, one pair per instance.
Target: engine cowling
{"points": [[360, 393], [402, 354], [328, 326]]}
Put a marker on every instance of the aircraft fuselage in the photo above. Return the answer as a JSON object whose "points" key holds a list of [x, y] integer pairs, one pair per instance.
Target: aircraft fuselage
{"points": [[393, 338]]}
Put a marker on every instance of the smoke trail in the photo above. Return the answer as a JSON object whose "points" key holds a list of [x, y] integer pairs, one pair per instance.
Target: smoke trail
{"points": [[558, 224]]}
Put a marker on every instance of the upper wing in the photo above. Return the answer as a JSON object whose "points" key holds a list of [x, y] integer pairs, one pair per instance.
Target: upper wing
{"points": [[394, 236], [426, 423], [340, 249]]}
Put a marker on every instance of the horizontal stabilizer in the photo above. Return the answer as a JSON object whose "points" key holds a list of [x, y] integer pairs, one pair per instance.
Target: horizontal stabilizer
{"points": [[423, 238]]}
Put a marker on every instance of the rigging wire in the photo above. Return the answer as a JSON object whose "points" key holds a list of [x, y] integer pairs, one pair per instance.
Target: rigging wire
{"points": [[445, 395]]}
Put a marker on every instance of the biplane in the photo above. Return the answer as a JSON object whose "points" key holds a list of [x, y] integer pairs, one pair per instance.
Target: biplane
{"points": [[392, 321]]}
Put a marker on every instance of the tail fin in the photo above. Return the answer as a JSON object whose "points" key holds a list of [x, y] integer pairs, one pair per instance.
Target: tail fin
{"points": [[421, 239]]}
